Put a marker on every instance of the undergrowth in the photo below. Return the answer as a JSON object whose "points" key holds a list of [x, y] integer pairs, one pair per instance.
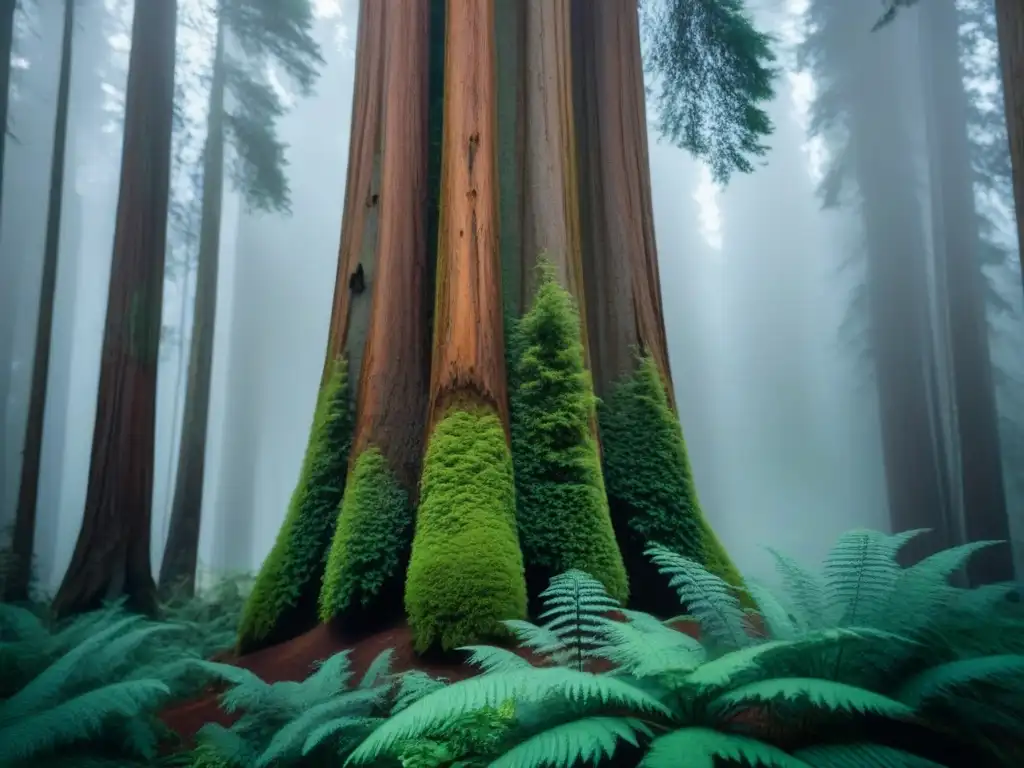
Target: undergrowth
{"points": [[561, 506], [651, 492], [370, 551], [466, 570], [283, 601]]}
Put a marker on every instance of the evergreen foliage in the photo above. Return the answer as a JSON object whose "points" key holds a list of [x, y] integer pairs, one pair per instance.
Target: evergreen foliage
{"points": [[466, 570], [211, 617], [713, 73], [313, 723], [366, 564], [650, 485], [867, 664], [561, 506], [283, 600], [88, 691]]}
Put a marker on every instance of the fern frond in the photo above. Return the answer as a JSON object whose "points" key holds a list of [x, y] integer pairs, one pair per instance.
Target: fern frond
{"points": [[825, 694], [78, 718], [229, 746], [413, 686], [705, 748], [356, 727], [862, 756], [539, 639], [288, 742], [940, 681], [707, 598], [805, 590], [649, 649], [331, 676], [490, 658], [724, 670], [861, 573], [524, 687], [777, 619], [21, 624], [379, 669], [587, 739]]}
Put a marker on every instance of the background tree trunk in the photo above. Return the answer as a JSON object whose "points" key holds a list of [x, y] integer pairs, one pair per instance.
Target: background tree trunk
{"points": [[1010, 21], [956, 250], [178, 567], [393, 381], [469, 350], [23, 540], [111, 556]]}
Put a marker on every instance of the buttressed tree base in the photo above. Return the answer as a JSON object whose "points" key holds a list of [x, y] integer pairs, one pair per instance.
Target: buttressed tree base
{"points": [[498, 207]]}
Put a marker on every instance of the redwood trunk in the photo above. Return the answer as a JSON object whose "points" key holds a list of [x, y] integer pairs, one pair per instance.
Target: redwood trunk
{"points": [[7, 9], [468, 351], [181, 551], [1010, 21], [956, 248], [111, 558], [393, 381], [358, 229], [624, 309], [23, 541]]}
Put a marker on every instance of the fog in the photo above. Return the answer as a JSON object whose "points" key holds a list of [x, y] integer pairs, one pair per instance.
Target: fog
{"points": [[760, 284]]}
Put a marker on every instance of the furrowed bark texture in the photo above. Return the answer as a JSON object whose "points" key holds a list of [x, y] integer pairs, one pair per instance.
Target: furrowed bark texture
{"points": [[957, 241], [178, 567], [509, 44], [1010, 20], [362, 193], [392, 395], [23, 540], [623, 286], [111, 557], [468, 350], [551, 222]]}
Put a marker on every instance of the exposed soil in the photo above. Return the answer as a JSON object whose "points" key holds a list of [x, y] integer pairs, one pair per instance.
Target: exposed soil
{"points": [[295, 660]]}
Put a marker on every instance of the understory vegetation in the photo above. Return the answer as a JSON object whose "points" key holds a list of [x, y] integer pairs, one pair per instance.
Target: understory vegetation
{"points": [[651, 491], [561, 506], [285, 592], [862, 663], [466, 570]]}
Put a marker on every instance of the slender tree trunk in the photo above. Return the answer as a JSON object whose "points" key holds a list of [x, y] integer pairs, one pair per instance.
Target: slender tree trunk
{"points": [[25, 518], [362, 186], [7, 10], [469, 351], [393, 381], [957, 244], [1010, 21], [178, 568], [624, 308], [111, 557]]}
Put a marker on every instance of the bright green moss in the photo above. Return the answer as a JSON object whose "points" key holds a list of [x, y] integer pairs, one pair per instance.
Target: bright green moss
{"points": [[363, 580], [561, 507], [283, 600], [466, 571], [650, 487]]}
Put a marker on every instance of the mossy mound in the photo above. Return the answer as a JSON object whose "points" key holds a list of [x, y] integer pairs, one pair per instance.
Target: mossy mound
{"points": [[363, 580], [466, 570], [650, 486], [561, 506], [283, 601]]}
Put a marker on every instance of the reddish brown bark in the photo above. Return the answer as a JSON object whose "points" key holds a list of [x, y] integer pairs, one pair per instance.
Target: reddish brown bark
{"points": [[468, 350], [23, 540], [181, 551], [1010, 21], [393, 383], [111, 558], [551, 222], [362, 194], [623, 286]]}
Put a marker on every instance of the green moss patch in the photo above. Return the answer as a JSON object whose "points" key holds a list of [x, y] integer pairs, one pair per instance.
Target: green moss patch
{"points": [[561, 506], [466, 571], [283, 602], [650, 486], [363, 580]]}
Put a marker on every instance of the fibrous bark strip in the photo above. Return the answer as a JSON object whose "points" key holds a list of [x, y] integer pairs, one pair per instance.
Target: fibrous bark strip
{"points": [[1010, 21]]}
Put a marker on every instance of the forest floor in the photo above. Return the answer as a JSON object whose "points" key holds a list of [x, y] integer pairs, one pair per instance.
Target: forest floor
{"points": [[296, 660]]}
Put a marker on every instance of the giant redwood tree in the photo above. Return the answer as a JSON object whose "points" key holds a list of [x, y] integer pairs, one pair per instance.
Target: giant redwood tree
{"points": [[497, 269], [111, 557]]}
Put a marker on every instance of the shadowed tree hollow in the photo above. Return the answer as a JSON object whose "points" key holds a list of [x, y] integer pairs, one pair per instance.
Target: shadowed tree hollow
{"points": [[498, 269]]}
